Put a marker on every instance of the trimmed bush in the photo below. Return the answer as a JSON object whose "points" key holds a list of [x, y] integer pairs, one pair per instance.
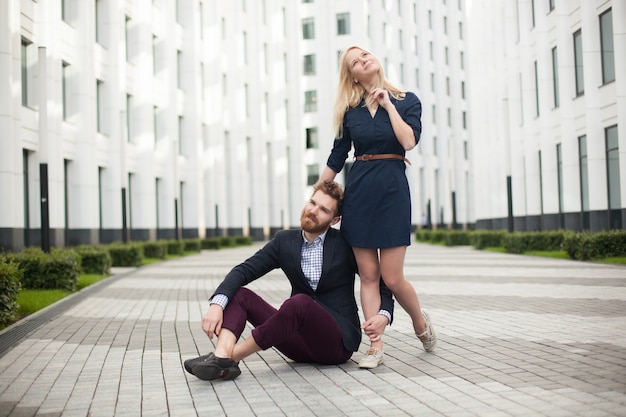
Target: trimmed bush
{"points": [[227, 241], [155, 250], [586, 246], [487, 239], [94, 259], [10, 275], [126, 254], [457, 238], [192, 245], [211, 243], [243, 240], [520, 242], [175, 247], [57, 270]]}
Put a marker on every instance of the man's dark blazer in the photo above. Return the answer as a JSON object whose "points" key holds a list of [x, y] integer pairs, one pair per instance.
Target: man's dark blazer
{"points": [[335, 292]]}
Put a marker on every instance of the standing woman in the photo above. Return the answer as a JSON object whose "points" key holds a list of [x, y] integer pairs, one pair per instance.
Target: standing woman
{"points": [[382, 122]]}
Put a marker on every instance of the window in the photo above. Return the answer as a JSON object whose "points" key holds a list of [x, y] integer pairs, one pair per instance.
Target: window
{"points": [[417, 78], [154, 52], [551, 4], [311, 138], [155, 124], [613, 174], [578, 63], [432, 82], [434, 145], [312, 174], [180, 136], [127, 38], [532, 12], [64, 88], [536, 89], [129, 103], [343, 24], [445, 25], [308, 28], [434, 114], [310, 101], [465, 150], [584, 181], [559, 178], [445, 55], [606, 46], [460, 30], [100, 106], [309, 64], [462, 60], [462, 89], [27, 65], [178, 69], [555, 76], [464, 115]]}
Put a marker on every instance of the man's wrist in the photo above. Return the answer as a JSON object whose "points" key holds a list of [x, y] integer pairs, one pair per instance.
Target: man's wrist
{"points": [[386, 314], [219, 299]]}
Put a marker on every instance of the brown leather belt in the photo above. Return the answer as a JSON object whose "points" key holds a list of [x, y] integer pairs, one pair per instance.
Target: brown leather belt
{"points": [[367, 157]]}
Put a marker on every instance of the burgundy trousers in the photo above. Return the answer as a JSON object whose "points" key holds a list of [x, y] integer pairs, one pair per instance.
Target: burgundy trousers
{"points": [[300, 329]]}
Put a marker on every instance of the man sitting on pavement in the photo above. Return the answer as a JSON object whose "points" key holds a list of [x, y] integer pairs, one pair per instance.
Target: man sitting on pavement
{"points": [[319, 323]]}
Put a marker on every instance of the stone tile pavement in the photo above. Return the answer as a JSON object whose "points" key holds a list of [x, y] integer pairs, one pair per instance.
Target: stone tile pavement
{"points": [[519, 336]]}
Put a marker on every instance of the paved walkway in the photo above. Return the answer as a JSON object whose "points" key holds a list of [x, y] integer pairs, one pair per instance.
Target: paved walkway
{"points": [[519, 336]]}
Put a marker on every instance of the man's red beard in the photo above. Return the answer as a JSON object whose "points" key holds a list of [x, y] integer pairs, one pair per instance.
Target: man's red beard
{"points": [[310, 223]]}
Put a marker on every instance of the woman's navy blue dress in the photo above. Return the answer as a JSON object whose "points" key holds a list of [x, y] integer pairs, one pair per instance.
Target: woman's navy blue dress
{"points": [[377, 203]]}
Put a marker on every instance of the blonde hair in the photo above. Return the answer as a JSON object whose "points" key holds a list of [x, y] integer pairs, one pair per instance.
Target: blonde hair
{"points": [[350, 94]]}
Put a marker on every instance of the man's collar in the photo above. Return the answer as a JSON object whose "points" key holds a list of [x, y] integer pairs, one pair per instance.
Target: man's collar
{"points": [[320, 237]]}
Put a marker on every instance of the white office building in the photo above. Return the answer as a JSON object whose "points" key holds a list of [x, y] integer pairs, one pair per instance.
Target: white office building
{"points": [[149, 119], [548, 105]]}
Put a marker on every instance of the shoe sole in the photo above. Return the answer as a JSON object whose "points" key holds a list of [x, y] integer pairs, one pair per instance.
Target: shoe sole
{"points": [[210, 372]]}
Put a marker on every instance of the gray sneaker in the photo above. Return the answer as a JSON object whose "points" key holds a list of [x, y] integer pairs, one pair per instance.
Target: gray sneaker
{"points": [[372, 359], [429, 337]]}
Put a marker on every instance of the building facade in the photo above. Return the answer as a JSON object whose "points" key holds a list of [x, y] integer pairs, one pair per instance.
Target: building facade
{"points": [[149, 119], [548, 100]]}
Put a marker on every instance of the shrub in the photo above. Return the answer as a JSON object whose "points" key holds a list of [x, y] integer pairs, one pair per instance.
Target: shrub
{"points": [[10, 275], [94, 259], [156, 249], [486, 238], [57, 270], [175, 247], [457, 238], [211, 243], [126, 254], [423, 235], [243, 240], [227, 241], [587, 246], [192, 245]]}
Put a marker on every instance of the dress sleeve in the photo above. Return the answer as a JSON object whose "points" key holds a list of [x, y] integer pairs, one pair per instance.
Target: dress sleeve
{"points": [[339, 153], [412, 114]]}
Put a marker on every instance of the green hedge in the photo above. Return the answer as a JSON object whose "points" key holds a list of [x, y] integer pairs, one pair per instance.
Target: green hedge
{"points": [[192, 245], [482, 239], [10, 275], [587, 246], [155, 250], [58, 269], [175, 247], [211, 243], [94, 259], [126, 254], [577, 245], [520, 242]]}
